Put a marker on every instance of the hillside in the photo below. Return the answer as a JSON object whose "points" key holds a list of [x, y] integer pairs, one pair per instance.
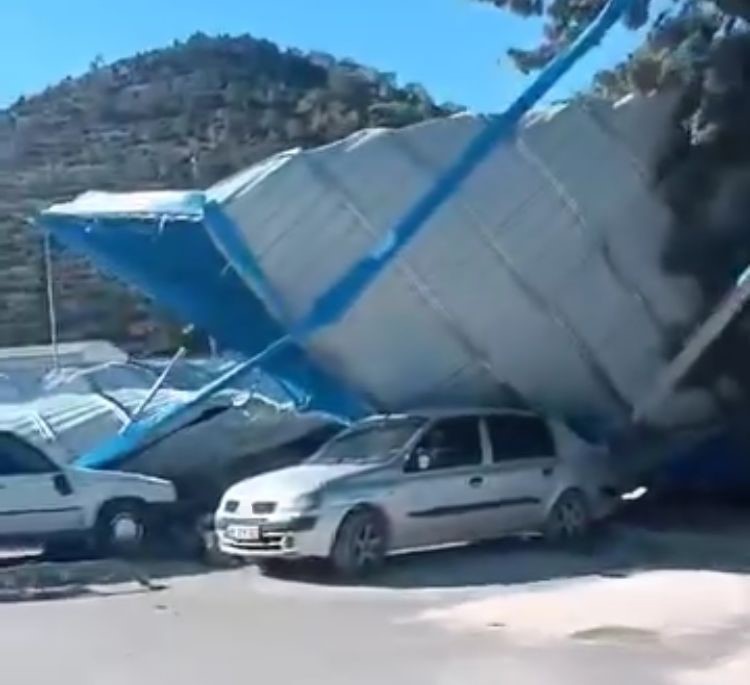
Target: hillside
{"points": [[180, 117]]}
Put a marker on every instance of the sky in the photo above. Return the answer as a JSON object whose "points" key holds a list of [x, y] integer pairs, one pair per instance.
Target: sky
{"points": [[453, 47]]}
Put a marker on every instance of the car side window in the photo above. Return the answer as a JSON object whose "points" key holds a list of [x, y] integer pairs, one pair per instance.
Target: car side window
{"points": [[18, 458], [519, 437], [450, 443]]}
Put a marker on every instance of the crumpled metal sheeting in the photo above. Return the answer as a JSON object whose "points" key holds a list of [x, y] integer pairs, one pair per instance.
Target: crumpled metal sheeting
{"points": [[543, 269], [540, 278], [83, 407]]}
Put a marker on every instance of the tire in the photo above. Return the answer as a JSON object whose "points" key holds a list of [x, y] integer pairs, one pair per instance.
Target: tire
{"points": [[361, 544], [120, 528], [569, 520]]}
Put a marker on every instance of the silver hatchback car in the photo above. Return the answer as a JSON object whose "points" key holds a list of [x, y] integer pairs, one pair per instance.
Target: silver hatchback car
{"points": [[402, 482]]}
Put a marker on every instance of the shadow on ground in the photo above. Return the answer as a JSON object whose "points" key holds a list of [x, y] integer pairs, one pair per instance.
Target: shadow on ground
{"points": [[27, 576], [37, 579], [619, 549], [655, 540]]}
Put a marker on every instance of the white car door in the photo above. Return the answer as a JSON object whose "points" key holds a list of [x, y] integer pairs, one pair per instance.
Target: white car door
{"points": [[36, 497], [440, 494], [521, 478]]}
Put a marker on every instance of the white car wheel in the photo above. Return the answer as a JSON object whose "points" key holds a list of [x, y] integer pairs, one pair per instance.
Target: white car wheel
{"points": [[120, 528]]}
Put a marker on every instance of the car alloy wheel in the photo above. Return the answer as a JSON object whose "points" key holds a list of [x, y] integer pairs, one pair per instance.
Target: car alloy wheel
{"points": [[367, 545], [360, 545]]}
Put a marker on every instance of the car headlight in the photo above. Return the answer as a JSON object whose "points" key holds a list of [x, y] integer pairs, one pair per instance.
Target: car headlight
{"points": [[307, 502]]}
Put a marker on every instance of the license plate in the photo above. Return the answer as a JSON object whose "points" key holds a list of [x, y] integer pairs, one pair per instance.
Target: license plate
{"points": [[243, 533]]}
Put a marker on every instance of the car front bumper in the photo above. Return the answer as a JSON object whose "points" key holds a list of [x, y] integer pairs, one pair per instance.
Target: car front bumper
{"points": [[303, 535]]}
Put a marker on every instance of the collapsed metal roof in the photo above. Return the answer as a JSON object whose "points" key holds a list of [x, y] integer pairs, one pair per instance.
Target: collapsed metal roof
{"points": [[538, 281], [466, 260], [72, 410]]}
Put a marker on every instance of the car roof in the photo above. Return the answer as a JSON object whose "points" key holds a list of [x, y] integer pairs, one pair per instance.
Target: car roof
{"points": [[451, 412]]}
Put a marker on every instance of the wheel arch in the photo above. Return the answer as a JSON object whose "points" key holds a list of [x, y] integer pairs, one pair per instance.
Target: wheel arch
{"points": [[551, 531], [119, 501], [564, 489], [365, 507]]}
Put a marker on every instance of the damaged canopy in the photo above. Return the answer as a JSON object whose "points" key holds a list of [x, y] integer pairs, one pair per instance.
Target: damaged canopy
{"points": [[538, 281], [70, 411]]}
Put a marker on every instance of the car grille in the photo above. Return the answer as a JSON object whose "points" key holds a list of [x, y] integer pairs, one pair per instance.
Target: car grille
{"points": [[266, 544], [222, 522], [263, 508], [272, 535]]}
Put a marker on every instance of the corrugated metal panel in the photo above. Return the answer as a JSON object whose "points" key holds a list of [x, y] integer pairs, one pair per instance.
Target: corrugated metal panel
{"points": [[72, 418], [540, 276], [543, 269]]}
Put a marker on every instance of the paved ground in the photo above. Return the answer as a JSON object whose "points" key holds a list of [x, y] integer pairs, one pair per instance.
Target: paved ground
{"points": [[513, 613]]}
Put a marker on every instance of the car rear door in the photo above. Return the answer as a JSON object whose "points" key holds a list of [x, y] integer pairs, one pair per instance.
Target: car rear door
{"points": [[521, 478], [35, 496], [439, 496]]}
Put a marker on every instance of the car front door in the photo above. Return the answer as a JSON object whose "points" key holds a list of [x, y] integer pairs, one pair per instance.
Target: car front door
{"points": [[521, 477], [441, 489], [36, 498]]}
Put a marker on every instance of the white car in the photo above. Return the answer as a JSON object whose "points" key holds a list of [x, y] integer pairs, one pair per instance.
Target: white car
{"points": [[42, 501], [395, 483]]}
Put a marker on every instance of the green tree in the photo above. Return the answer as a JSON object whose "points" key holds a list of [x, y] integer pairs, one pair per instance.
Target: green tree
{"points": [[676, 47]]}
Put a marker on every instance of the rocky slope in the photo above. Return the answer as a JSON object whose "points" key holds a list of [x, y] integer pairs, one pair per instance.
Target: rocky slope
{"points": [[184, 116]]}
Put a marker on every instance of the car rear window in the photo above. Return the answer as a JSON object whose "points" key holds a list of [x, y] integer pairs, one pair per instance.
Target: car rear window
{"points": [[519, 437]]}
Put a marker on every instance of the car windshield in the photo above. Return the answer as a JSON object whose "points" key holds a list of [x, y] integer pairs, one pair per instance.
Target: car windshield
{"points": [[370, 442]]}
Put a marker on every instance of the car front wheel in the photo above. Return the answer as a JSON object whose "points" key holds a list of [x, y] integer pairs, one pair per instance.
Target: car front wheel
{"points": [[361, 544], [120, 528]]}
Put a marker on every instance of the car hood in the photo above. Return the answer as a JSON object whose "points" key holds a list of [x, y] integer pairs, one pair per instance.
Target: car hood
{"points": [[136, 482], [286, 484]]}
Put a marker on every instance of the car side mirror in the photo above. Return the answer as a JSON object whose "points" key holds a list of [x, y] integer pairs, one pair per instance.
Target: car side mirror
{"points": [[419, 460], [62, 484]]}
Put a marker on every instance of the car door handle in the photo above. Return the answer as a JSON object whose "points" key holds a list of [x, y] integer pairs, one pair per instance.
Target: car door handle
{"points": [[476, 481], [548, 471]]}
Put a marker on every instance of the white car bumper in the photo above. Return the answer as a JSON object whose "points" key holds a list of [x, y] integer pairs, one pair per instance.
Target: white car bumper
{"points": [[304, 535]]}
